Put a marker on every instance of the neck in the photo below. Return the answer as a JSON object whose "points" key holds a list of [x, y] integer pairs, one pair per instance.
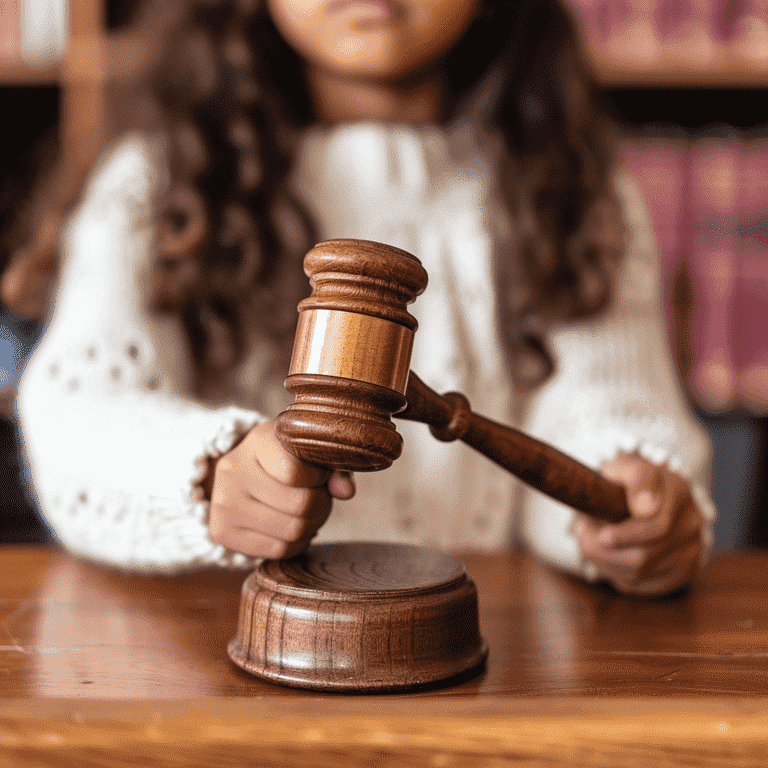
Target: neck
{"points": [[339, 99]]}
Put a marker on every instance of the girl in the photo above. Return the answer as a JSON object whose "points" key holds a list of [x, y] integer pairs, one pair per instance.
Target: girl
{"points": [[463, 131]]}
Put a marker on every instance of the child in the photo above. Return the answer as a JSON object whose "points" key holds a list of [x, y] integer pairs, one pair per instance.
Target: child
{"points": [[463, 131]]}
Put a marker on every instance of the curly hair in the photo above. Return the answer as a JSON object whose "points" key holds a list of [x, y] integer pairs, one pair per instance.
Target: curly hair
{"points": [[230, 99]]}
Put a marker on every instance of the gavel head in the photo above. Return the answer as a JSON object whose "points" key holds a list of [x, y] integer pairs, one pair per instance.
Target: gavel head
{"points": [[351, 355]]}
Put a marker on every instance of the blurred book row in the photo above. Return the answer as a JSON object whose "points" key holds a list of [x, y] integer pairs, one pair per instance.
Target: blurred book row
{"points": [[635, 32], [707, 192], [34, 32], [643, 31]]}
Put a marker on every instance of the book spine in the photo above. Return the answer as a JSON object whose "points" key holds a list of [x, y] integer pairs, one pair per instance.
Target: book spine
{"points": [[751, 309], [627, 31], [686, 30], [748, 37], [658, 166], [10, 31], [713, 252]]}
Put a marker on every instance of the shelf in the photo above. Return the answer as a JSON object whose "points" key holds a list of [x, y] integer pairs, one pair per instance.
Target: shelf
{"points": [[21, 74], [725, 68]]}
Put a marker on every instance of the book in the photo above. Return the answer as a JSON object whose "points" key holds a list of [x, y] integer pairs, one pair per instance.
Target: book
{"points": [[10, 31], [625, 31], [714, 182], [748, 33], [751, 305], [686, 30], [656, 160]]}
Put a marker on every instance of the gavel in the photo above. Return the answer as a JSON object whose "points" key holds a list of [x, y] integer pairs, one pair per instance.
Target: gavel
{"points": [[373, 616], [350, 374]]}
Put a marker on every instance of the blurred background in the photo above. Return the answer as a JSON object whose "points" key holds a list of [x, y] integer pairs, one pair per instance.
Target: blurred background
{"points": [[687, 81]]}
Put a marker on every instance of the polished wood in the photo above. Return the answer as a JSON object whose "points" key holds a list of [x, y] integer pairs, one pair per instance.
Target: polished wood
{"points": [[536, 463], [359, 616], [727, 67], [349, 368], [103, 668]]}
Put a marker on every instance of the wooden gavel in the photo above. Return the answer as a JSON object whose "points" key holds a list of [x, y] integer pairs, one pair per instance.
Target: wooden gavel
{"points": [[350, 374]]}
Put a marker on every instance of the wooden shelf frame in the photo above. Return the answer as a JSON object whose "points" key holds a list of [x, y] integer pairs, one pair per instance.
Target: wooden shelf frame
{"points": [[725, 68], [80, 76], [21, 74]]}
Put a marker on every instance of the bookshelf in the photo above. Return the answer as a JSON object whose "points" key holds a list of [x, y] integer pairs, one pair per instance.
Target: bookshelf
{"points": [[654, 65], [724, 69], [79, 77], [682, 77]]}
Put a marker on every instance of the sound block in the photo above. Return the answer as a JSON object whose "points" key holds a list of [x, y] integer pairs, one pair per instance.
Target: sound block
{"points": [[359, 617]]}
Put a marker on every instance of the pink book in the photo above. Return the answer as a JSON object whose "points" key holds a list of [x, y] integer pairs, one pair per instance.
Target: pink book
{"points": [[751, 310], [585, 12], [10, 31], [748, 32], [627, 31], [658, 166], [713, 252], [686, 29]]}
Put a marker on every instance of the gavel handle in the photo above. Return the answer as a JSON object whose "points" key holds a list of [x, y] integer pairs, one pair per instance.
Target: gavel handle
{"points": [[539, 465]]}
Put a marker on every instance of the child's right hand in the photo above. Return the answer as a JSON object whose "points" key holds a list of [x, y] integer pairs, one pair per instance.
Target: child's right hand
{"points": [[266, 502]]}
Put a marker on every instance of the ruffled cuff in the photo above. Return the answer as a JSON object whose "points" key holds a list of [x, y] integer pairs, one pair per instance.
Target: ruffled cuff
{"points": [[236, 423]]}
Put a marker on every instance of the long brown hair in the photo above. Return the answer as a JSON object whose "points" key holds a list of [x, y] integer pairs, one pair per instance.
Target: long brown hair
{"points": [[229, 97]]}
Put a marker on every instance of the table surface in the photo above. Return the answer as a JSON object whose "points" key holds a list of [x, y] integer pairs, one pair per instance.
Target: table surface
{"points": [[100, 667]]}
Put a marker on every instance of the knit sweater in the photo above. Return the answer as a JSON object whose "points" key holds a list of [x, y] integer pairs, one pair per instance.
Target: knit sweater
{"points": [[114, 438]]}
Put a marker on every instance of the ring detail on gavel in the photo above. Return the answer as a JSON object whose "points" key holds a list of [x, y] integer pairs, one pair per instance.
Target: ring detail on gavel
{"points": [[352, 346]]}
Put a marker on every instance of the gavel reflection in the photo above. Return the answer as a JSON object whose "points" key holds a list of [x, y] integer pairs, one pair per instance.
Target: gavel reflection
{"points": [[350, 374]]}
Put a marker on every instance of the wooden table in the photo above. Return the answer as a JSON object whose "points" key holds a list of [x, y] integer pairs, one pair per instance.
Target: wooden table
{"points": [[102, 668]]}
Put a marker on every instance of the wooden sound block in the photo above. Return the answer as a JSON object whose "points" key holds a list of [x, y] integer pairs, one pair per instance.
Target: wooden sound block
{"points": [[359, 616]]}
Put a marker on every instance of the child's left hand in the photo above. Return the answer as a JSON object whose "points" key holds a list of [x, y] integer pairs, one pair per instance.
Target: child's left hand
{"points": [[656, 550]]}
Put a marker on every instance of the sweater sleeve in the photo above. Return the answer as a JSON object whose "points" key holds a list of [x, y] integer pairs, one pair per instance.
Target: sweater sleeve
{"points": [[616, 390], [112, 440]]}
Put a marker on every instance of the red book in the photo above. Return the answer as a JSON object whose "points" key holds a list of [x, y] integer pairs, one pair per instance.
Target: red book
{"points": [[686, 29], [714, 168], [751, 309], [10, 31], [658, 166], [585, 12], [626, 31], [749, 30]]}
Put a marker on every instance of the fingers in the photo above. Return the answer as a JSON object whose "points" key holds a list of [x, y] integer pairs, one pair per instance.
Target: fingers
{"points": [[654, 497], [633, 562], [659, 547], [256, 544], [260, 531], [676, 570], [283, 465], [265, 502], [341, 485]]}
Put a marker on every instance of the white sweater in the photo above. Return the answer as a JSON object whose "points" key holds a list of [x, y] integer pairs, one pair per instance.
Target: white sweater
{"points": [[114, 439]]}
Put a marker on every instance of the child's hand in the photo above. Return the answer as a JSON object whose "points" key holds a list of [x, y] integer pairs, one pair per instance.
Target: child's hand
{"points": [[265, 502], [657, 549]]}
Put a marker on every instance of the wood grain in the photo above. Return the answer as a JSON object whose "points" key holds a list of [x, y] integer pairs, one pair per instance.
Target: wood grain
{"points": [[103, 668], [353, 346], [336, 734], [538, 464], [359, 617]]}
